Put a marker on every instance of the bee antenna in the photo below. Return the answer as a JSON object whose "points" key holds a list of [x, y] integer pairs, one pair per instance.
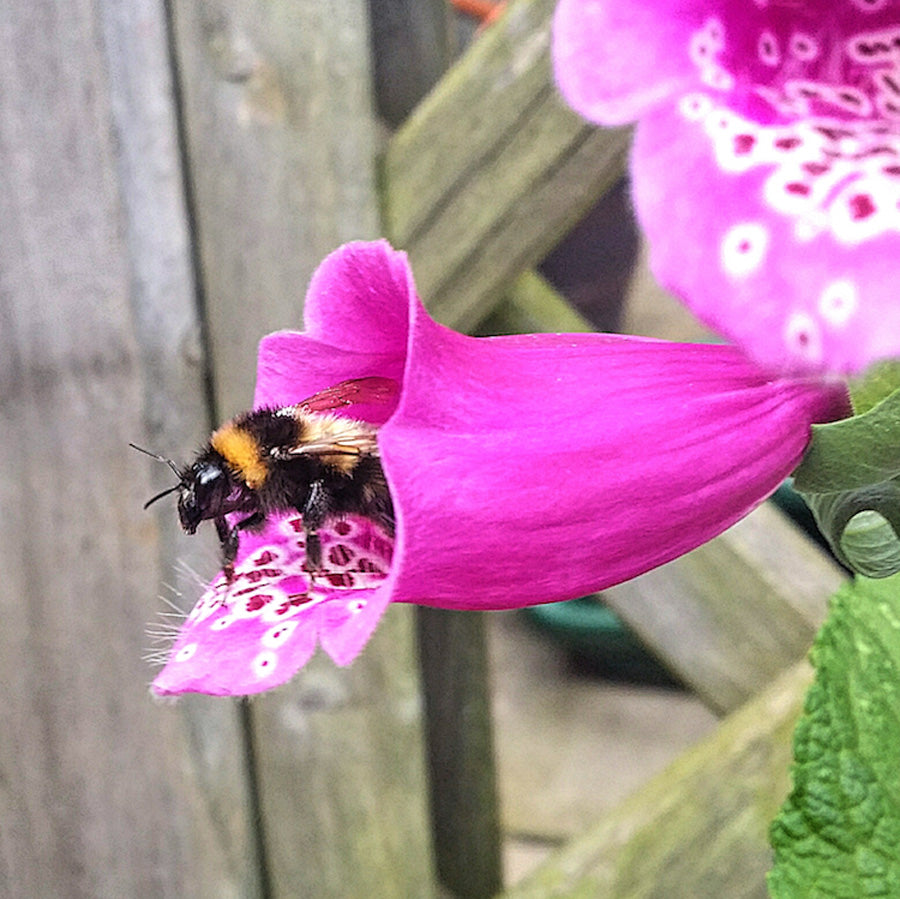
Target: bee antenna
{"points": [[159, 458], [166, 492]]}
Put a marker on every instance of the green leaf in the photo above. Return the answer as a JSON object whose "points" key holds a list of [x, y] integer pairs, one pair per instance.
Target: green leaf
{"points": [[862, 526], [880, 381], [854, 452], [838, 834]]}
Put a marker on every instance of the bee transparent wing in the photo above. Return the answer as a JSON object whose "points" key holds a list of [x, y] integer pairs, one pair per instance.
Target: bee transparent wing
{"points": [[353, 443], [373, 391]]}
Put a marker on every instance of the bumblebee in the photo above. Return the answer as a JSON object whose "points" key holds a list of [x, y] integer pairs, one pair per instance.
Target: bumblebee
{"points": [[300, 458]]}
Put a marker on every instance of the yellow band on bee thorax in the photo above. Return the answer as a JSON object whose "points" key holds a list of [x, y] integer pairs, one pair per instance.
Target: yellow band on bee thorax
{"points": [[242, 452]]}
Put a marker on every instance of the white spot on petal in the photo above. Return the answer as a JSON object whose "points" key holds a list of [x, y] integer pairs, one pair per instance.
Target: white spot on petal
{"points": [[356, 606], [186, 652], [264, 664], [717, 78], [221, 623], [805, 229], [715, 31], [743, 249], [803, 46], [278, 635], [838, 302], [768, 49], [803, 337], [695, 107]]}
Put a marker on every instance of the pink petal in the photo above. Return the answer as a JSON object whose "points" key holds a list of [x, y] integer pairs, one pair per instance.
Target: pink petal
{"points": [[536, 468], [767, 174], [770, 254], [613, 61], [257, 632], [523, 470]]}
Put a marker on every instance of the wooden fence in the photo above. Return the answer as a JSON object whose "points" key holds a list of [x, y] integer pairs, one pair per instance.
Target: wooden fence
{"points": [[172, 172]]}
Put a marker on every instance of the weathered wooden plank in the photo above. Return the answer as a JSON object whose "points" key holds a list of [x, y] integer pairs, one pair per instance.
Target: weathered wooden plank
{"points": [[698, 829], [413, 42], [277, 104], [176, 404], [99, 797], [280, 135], [460, 751], [730, 615], [492, 169]]}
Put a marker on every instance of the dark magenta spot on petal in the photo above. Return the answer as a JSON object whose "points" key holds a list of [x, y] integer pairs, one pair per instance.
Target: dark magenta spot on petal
{"points": [[264, 558], [861, 206], [254, 576], [834, 134], [743, 143], [892, 170], [798, 187], [340, 554], [816, 168], [788, 143], [255, 603], [343, 528], [339, 579]]}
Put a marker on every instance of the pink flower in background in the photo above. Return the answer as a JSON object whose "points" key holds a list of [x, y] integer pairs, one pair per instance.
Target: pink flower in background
{"points": [[523, 470], [766, 162]]}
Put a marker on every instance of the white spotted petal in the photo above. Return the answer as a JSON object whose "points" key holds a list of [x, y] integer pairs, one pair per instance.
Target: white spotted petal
{"points": [[766, 167]]}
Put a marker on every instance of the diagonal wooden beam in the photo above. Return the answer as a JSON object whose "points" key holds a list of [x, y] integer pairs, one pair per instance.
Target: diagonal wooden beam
{"points": [[492, 169]]}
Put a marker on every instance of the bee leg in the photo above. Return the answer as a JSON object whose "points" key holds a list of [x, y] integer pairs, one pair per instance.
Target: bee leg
{"points": [[230, 539], [315, 510]]}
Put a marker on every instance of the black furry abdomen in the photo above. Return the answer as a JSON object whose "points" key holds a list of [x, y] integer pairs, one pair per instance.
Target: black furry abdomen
{"points": [[362, 491]]}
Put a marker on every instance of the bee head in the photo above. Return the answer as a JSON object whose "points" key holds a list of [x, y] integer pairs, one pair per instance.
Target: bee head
{"points": [[203, 492]]}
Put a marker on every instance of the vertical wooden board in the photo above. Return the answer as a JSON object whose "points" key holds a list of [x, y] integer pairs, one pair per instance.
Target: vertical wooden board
{"points": [[280, 137], [281, 140], [97, 796], [176, 409], [341, 775], [413, 42]]}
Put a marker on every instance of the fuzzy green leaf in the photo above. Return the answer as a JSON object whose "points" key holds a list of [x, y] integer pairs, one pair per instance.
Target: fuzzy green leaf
{"points": [[855, 452], [838, 834]]}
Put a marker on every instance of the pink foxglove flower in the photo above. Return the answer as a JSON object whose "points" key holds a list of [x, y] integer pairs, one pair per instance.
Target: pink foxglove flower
{"points": [[766, 162], [522, 469]]}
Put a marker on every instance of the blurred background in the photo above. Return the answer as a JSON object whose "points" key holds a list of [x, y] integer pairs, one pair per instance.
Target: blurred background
{"points": [[171, 172]]}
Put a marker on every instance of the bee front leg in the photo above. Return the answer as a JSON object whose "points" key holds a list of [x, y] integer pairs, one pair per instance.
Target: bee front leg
{"points": [[230, 539]]}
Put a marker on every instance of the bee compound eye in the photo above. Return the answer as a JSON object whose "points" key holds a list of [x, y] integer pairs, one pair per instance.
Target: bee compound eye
{"points": [[208, 475]]}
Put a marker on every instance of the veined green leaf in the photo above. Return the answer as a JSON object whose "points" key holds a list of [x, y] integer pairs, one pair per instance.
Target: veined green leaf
{"points": [[854, 452], [838, 834]]}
